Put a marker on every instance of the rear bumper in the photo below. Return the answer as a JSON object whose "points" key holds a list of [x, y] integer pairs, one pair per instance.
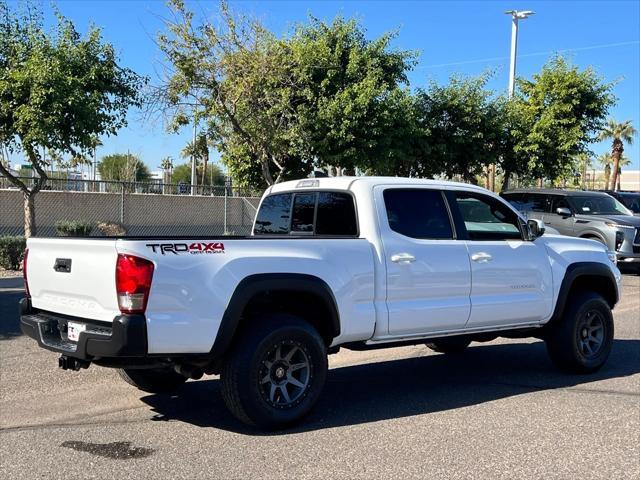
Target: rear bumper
{"points": [[624, 257], [125, 337]]}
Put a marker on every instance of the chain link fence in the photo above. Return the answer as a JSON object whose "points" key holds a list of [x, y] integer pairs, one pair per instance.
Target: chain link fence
{"points": [[141, 208]]}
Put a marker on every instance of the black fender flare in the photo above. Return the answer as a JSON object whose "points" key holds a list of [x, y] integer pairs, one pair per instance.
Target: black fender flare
{"points": [[574, 272], [253, 285]]}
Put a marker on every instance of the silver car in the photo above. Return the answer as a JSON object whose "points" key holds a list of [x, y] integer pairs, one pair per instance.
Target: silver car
{"points": [[577, 213]]}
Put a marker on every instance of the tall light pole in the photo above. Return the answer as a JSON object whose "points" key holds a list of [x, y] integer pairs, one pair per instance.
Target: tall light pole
{"points": [[516, 15], [193, 154]]}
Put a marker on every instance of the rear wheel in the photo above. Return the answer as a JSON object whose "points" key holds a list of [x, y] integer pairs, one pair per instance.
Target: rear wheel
{"points": [[450, 345], [275, 372], [581, 341], [153, 380]]}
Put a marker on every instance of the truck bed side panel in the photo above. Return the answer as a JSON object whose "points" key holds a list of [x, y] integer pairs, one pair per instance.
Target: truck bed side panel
{"points": [[192, 288]]}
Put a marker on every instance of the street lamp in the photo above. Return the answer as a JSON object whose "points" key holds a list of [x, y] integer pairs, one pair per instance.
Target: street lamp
{"points": [[194, 178], [516, 15]]}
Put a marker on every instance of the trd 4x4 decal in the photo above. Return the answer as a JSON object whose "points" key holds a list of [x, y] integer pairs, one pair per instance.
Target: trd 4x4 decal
{"points": [[193, 248]]}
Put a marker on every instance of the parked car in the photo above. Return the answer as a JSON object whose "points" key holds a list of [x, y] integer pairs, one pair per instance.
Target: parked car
{"points": [[359, 263], [631, 200], [584, 214]]}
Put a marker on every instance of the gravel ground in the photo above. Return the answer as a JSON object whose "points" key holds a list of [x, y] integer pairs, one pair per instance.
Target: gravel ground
{"points": [[10, 273], [498, 411]]}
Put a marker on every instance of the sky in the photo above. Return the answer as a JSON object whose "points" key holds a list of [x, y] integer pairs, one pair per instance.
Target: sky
{"points": [[451, 37]]}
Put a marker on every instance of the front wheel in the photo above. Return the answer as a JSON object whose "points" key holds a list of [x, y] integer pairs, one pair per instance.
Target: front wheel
{"points": [[275, 372], [581, 341]]}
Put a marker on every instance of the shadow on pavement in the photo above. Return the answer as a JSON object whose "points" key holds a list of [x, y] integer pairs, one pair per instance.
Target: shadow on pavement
{"points": [[11, 291], [629, 269], [406, 387]]}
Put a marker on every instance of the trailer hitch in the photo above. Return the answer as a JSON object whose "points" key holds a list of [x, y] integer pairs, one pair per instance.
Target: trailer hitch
{"points": [[70, 363]]}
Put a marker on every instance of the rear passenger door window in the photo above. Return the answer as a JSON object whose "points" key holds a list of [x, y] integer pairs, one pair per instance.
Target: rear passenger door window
{"points": [[537, 202], [559, 202], [528, 203], [418, 213]]}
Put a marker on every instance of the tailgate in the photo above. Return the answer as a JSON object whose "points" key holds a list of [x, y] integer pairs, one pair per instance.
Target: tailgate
{"points": [[73, 276]]}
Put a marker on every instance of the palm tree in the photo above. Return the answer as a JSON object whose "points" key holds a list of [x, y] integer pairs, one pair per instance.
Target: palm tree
{"points": [[583, 163], [166, 164], [618, 133], [199, 150], [80, 161], [605, 160], [624, 161], [95, 143]]}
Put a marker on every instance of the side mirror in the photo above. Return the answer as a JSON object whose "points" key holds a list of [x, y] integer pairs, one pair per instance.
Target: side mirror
{"points": [[536, 228], [565, 212]]}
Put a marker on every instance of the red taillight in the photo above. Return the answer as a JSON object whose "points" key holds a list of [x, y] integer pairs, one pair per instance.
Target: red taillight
{"points": [[24, 272], [133, 282]]}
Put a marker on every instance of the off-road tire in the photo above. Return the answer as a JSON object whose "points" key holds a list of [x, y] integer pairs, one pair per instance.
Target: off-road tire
{"points": [[248, 373], [567, 338], [153, 380]]}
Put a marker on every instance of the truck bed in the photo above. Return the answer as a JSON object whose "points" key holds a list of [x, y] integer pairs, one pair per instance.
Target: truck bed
{"points": [[194, 279]]}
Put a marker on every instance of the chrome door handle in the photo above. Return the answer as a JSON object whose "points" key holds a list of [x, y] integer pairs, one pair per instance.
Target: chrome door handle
{"points": [[481, 257], [403, 258]]}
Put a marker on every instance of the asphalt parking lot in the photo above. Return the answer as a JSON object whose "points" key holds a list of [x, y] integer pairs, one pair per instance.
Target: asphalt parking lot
{"points": [[498, 411]]}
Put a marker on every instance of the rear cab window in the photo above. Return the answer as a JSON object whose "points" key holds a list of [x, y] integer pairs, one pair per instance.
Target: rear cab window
{"points": [[319, 213], [274, 215]]}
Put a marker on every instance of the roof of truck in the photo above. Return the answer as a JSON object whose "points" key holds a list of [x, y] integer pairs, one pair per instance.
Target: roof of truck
{"points": [[556, 191], [345, 183]]}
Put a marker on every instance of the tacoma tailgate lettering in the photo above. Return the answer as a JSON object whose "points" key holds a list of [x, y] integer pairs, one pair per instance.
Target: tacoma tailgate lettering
{"points": [[195, 248]]}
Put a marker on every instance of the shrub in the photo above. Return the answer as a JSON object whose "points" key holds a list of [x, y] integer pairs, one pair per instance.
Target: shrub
{"points": [[12, 251], [66, 228], [111, 229]]}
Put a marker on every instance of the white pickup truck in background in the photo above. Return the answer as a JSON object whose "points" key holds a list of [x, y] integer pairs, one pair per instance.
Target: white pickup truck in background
{"points": [[332, 262]]}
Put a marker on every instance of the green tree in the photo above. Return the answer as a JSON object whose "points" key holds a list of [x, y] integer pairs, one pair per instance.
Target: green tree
{"points": [[460, 126], [182, 174], [324, 95], [350, 106], [552, 118], [123, 167], [619, 133], [58, 90]]}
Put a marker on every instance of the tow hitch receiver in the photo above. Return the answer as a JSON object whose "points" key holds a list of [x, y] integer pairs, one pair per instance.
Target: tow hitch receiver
{"points": [[70, 363]]}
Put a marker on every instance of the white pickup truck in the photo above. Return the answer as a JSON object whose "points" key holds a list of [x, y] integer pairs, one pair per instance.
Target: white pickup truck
{"points": [[345, 262]]}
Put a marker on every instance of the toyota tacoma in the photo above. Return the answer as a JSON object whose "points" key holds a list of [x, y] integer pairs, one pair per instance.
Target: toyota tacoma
{"points": [[356, 263]]}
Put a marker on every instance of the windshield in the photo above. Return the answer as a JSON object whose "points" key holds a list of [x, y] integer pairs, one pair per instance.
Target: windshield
{"points": [[631, 201], [598, 205]]}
